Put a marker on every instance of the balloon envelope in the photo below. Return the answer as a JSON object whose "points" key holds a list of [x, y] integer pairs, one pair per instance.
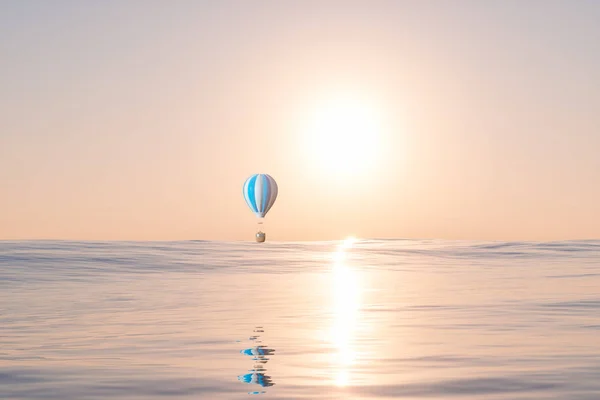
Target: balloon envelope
{"points": [[260, 192]]}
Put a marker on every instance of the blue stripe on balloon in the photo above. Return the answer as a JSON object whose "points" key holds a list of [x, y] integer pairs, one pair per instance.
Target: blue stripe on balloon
{"points": [[251, 195], [265, 193]]}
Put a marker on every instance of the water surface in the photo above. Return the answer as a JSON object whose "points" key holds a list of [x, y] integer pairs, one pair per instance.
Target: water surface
{"points": [[374, 319]]}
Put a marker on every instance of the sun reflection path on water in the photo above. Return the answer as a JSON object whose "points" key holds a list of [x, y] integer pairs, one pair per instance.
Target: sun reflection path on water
{"points": [[345, 310]]}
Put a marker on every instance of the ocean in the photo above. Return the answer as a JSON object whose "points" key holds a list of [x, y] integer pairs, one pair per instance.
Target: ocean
{"points": [[364, 319]]}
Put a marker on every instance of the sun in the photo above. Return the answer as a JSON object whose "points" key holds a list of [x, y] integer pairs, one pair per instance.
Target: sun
{"points": [[344, 136]]}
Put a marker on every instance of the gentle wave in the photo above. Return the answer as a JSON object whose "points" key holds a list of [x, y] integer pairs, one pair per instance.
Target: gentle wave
{"points": [[374, 319]]}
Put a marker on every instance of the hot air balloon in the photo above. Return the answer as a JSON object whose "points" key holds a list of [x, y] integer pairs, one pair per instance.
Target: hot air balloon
{"points": [[260, 193]]}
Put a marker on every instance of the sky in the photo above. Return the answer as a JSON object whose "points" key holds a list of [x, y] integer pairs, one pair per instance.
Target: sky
{"points": [[141, 119]]}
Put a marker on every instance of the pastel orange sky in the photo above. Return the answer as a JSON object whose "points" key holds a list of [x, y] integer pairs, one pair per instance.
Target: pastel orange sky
{"points": [[140, 120]]}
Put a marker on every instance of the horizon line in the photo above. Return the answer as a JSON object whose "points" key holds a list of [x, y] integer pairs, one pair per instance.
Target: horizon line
{"points": [[358, 239]]}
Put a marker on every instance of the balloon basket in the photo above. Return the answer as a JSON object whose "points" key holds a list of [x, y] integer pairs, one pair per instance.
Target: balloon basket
{"points": [[260, 237]]}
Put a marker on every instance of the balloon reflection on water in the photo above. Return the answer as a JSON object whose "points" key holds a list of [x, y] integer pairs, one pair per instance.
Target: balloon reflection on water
{"points": [[259, 353]]}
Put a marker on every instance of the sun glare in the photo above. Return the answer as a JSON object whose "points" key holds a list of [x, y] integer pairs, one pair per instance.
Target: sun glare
{"points": [[344, 136], [349, 241]]}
